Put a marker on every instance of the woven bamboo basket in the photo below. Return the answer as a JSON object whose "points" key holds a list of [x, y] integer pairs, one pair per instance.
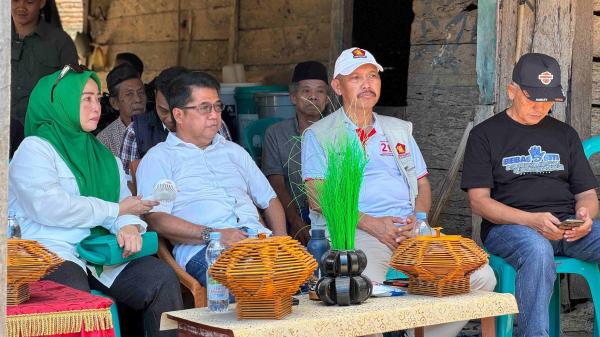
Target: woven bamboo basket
{"points": [[263, 274], [28, 261], [438, 265]]}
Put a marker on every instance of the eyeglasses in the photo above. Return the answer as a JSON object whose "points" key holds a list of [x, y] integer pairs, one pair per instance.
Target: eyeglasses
{"points": [[206, 108], [77, 68]]}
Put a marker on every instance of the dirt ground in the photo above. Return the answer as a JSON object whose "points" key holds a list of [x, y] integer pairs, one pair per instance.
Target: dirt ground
{"points": [[579, 322], [576, 323]]}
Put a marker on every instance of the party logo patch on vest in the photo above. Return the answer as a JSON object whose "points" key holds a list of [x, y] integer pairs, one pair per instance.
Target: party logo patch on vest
{"points": [[537, 161], [401, 150], [385, 149], [546, 77]]}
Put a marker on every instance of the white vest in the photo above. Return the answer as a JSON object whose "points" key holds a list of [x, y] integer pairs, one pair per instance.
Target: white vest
{"points": [[395, 131]]}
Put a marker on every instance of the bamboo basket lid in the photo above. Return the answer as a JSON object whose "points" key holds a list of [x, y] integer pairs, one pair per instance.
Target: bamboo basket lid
{"points": [[438, 265], [263, 274]]}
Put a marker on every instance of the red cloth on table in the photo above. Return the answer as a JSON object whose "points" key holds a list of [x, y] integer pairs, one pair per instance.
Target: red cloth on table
{"points": [[52, 297]]}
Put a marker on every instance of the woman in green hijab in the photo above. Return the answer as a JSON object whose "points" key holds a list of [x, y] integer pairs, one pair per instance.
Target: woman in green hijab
{"points": [[64, 185]]}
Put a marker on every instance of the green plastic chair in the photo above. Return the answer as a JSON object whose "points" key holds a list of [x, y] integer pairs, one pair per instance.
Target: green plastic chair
{"points": [[506, 277], [113, 312], [253, 135]]}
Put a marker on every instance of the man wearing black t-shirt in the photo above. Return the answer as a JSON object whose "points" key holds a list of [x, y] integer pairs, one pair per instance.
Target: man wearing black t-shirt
{"points": [[525, 173]]}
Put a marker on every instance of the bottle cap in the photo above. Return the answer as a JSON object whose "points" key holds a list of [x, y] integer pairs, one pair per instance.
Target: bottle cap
{"points": [[421, 215], [215, 236]]}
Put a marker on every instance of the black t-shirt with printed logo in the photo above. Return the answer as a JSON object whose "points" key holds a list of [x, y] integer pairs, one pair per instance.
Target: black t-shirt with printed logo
{"points": [[535, 168]]}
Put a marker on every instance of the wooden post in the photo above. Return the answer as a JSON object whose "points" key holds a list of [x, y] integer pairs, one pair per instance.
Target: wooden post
{"points": [[553, 35], [506, 30], [234, 33], [4, 140], [488, 28], [341, 29], [579, 109], [486, 50]]}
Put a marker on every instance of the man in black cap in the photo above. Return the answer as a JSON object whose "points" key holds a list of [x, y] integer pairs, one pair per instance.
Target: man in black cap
{"points": [[128, 96], [281, 147], [526, 173]]}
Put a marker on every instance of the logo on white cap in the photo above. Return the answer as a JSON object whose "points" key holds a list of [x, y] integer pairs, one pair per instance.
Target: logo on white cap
{"points": [[352, 58], [359, 53], [545, 77]]}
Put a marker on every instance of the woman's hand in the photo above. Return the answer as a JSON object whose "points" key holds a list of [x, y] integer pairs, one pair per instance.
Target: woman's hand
{"points": [[136, 206], [130, 239]]}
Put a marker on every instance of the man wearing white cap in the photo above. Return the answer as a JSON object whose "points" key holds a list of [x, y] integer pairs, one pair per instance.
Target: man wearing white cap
{"points": [[395, 183]]}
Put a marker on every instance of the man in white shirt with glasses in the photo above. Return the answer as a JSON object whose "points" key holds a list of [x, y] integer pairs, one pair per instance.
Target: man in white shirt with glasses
{"points": [[219, 187]]}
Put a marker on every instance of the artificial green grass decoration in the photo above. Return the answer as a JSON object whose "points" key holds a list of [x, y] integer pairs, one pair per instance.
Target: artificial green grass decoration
{"points": [[338, 192]]}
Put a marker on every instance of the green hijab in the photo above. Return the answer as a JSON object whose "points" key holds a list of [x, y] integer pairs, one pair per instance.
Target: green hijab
{"points": [[92, 164]]}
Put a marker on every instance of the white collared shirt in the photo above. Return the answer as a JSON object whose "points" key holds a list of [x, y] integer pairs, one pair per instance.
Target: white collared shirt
{"points": [[217, 187], [45, 196]]}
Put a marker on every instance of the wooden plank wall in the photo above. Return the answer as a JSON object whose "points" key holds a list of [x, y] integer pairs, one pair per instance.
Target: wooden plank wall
{"points": [[443, 92], [274, 35], [595, 160]]}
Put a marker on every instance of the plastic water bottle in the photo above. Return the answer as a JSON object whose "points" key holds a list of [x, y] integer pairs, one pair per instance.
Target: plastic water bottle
{"points": [[14, 230], [421, 226], [317, 246], [252, 233], [216, 293]]}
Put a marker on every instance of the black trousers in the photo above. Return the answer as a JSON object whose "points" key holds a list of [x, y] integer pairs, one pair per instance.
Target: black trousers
{"points": [[145, 289]]}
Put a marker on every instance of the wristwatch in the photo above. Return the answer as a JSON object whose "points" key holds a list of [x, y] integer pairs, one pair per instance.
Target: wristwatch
{"points": [[205, 234]]}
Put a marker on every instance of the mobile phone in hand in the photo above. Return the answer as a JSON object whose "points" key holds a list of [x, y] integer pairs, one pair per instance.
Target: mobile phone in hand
{"points": [[570, 224]]}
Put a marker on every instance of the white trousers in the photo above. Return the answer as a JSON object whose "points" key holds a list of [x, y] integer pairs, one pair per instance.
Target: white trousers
{"points": [[378, 259]]}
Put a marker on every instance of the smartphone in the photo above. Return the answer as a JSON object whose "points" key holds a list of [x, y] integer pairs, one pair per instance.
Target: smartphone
{"points": [[570, 223]]}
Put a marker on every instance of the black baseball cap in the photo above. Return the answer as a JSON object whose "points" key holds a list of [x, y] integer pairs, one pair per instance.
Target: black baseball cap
{"points": [[309, 70], [538, 75], [120, 73]]}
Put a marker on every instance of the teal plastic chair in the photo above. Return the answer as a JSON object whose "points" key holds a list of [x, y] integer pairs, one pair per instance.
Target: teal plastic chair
{"points": [[591, 146], [253, 135], [113, 312], [506, 277]]}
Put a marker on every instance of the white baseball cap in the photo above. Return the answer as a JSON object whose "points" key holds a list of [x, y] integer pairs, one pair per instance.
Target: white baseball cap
{"points": [[352, 58]]}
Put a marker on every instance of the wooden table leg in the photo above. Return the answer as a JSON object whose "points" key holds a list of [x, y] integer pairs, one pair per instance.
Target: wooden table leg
{"points": [[488, 327], [420, 332]]}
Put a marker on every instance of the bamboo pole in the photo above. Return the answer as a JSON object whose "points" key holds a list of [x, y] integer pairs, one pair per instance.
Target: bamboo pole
{"points": [[234, 37], [519, 43], [4, 140]]}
